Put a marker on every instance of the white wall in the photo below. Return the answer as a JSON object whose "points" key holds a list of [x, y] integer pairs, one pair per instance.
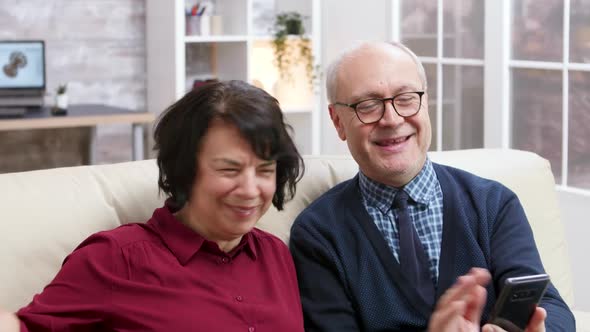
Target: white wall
{"points": [[344, 22], [575, 212], [98, 50]]}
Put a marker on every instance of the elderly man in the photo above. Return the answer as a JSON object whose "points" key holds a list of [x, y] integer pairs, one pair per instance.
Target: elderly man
{"points": [[407, 244]]}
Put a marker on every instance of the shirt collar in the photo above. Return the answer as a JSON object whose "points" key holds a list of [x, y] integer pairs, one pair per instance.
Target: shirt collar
{"points": [[420, 189], [184, 242], [376, 194]]}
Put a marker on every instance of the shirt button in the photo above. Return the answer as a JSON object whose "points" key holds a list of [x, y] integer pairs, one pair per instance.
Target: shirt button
{"points": [[251, 329], [239, 298], [225, 260]]}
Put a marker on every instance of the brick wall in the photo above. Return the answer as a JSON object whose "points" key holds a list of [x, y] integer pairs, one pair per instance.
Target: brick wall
{"points": [[97, 47]]}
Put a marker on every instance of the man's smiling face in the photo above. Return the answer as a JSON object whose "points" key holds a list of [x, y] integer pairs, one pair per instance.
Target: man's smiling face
{"points": [[393, 150]]}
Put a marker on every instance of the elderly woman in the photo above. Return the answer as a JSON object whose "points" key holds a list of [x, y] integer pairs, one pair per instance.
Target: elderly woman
{"points": [[198, 264]]}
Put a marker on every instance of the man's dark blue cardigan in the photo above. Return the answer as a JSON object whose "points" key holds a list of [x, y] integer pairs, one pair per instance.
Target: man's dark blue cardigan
{"points": [[350, 281]]}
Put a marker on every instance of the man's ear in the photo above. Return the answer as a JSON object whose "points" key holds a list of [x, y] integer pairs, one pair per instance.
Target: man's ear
{"points": [[337, 121]]}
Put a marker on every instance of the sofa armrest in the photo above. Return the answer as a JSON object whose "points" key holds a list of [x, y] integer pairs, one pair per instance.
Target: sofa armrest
{"points": [[582, 320]]}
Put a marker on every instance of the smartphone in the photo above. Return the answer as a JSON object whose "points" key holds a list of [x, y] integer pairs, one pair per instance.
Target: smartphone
{"points": [[517, 301]]}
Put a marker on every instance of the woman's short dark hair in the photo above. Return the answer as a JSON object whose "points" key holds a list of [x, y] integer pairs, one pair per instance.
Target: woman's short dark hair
{"points": [[256, 114]]}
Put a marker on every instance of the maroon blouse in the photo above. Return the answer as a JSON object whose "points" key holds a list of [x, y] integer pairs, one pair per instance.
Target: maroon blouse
{"points": [[162, 276]]}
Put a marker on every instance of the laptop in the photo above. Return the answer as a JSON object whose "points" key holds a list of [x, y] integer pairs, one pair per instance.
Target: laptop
{"points": [[22, 76]]}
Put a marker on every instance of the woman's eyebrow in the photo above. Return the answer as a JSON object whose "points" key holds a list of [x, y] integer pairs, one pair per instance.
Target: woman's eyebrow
{"points": [[227, 161], [224, 160], [267, 163]]}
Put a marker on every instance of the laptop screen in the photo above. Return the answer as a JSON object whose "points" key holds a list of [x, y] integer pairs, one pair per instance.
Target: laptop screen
{"points": [[22, 65]]}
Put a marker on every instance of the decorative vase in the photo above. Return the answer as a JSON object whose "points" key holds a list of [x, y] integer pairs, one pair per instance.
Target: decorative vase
{"points": [[61, 101]]}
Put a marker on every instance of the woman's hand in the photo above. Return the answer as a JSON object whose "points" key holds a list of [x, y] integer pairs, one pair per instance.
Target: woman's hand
{"points": [[9, 322]]}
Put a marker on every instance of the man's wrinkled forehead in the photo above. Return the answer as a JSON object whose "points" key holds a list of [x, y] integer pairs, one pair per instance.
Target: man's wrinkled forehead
{"points": [[370, 62]]}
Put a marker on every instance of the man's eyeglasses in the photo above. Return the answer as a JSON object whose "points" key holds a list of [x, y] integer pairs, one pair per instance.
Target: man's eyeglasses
{"points": [[371, 110]]}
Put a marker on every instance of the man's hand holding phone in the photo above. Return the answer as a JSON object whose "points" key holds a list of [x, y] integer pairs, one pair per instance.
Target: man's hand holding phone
{"points": [[536, 324], [460, 307], [516, 309]]}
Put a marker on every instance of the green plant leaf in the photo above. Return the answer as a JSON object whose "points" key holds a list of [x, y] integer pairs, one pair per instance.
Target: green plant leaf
{"points": [[291, 46]]}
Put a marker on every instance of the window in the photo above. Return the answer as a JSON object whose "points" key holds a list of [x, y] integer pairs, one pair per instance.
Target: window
{"points": [[535, 78], [453, 60], [550, 91]]}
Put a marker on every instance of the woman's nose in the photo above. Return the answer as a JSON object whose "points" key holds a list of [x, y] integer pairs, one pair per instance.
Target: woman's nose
{"points": [[248, 184]]}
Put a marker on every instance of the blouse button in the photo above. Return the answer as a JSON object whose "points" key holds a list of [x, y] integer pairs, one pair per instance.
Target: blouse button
{"points": [[251, 329], [239, 298]]}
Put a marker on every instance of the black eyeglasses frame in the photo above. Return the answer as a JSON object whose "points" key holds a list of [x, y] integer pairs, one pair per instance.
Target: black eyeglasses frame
{"points": [[383, 100]]}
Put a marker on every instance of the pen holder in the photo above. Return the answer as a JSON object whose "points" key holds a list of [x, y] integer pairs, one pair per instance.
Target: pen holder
{"points": [[198, 25]]}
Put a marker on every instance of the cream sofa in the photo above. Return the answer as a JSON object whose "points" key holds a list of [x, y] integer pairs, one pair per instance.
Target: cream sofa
{"points": [[45, 214]]}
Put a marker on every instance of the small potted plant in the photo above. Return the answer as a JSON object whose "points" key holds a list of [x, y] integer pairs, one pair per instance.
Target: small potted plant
{"points": [[61, 100], [291, 46]]}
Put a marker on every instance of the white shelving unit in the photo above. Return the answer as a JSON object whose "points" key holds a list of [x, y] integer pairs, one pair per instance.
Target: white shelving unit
{"points": [[238, 46]]}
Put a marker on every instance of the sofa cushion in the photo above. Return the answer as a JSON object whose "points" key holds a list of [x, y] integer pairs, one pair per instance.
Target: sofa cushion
{"points": [[46, 213]]}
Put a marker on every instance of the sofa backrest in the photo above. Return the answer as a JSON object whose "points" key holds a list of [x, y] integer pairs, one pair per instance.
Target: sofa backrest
{"points": [[46, 214]]}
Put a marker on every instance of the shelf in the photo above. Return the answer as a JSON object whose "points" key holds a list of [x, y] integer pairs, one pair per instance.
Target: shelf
{"points": [[231, 49], [270, 38], [215, 39]]}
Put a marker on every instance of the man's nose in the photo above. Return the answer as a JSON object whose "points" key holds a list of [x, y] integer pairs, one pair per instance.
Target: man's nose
{"points": [[390, 116]]}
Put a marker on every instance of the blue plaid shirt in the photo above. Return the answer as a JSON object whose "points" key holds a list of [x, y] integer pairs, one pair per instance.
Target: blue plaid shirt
{"points": [[425, 208]]}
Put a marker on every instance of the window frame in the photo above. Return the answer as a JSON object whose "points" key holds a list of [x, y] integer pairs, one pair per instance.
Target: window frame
{"points": [[497, 67]]}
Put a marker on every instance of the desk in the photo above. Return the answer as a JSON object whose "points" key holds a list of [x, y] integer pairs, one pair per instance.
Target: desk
{"points": [[85, 115]]}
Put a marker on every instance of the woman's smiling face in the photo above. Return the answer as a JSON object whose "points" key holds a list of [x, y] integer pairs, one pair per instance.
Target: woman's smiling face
{"points": [[233, 187]]}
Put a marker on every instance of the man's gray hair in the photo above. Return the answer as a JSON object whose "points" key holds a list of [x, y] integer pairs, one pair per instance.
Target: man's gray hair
{"points": [[334, 67]]}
